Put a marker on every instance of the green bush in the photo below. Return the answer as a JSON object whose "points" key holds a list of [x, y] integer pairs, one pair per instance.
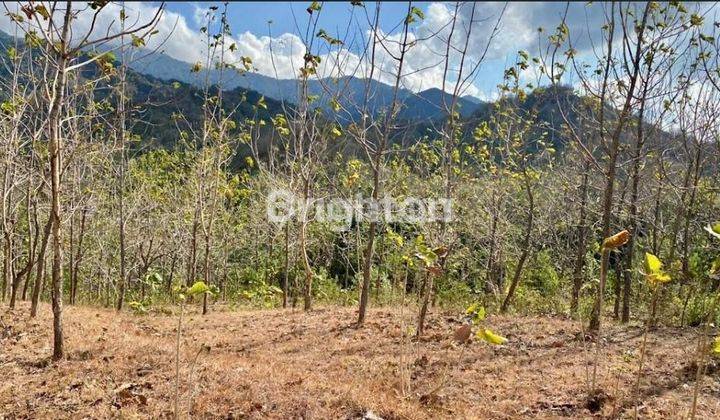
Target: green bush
{"points": [[327, 290], [542, 276], [697, 309]]}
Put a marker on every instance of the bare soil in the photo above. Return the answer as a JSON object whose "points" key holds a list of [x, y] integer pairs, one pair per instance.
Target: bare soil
{"points": [[289, 364]]}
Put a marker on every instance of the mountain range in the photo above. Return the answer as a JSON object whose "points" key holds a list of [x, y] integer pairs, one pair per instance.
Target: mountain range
{"points": [[348, 91], [161, 86]]}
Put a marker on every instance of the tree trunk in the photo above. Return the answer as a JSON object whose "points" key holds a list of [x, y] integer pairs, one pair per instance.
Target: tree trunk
{"points": [[527, 241], [40, 273], [286, 272], [582, 241], [367, 265], [54, 116], [307, 292], [426, 301], [612, 151]]}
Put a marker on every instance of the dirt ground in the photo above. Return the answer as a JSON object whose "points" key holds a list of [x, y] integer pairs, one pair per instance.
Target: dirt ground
{"points": [[289, 364]]}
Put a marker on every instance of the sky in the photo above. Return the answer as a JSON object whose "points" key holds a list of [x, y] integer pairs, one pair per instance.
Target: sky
{"points": [[256, 24], [272, 34]]}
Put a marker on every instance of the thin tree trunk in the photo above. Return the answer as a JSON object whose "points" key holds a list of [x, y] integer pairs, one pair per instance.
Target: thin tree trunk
{"points": [[307, 293], [54, 116], [527, 241], [613, 151], [427, 291], [582, 241], [37, 288], [286, 273]]}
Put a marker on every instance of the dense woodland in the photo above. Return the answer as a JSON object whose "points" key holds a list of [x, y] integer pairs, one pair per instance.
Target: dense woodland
{"points": [[588, 190]]}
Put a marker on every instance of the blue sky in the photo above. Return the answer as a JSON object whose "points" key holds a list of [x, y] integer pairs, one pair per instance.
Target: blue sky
{"points": [[280, 54], [335, 17], [254, 16]]}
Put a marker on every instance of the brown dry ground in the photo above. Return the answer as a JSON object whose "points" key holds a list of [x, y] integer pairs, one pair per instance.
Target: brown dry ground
{"points": [[289, 364]]}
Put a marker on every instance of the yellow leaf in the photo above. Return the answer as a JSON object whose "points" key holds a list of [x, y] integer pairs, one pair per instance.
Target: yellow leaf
{"points": [[715, 350], [471, 309], [658, 278], [652, 263], [491, 337]]}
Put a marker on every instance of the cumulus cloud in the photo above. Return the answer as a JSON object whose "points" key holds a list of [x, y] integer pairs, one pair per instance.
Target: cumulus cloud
{"points": [[282, 56]]}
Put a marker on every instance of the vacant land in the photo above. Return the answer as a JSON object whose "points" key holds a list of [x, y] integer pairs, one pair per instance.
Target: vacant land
{"points": [[289, 364]]}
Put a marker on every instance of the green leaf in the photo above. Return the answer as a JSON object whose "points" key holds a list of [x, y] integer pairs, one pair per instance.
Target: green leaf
{"points": [[154, 278], [16, 18], [32, 39], [427, 256], [7, 107], [137, 42], [707, 38], [714, 229], [491, 337], [417, 12], [715, 267], [696, 20], [42, 11], [261, 103], [335, 104], [247, 62], [314, 7]]}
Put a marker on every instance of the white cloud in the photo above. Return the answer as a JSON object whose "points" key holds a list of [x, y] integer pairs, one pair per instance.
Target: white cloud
{"points": [[282, 56], [199, 15]]}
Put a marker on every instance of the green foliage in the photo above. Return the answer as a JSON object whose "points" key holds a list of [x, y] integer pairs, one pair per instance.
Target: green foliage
{"points": [[198, 288], [530, 301], [415, 13], [327, 290], [542, 275], [714, 230], [139, 308], [314, 7], [697, 309]]}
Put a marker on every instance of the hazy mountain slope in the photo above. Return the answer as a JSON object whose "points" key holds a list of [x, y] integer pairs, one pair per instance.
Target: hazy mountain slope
{"points": [[349, 91], [155, 100]]}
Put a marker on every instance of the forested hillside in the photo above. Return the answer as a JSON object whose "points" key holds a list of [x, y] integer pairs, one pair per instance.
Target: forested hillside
{"points": [[179, 242]]}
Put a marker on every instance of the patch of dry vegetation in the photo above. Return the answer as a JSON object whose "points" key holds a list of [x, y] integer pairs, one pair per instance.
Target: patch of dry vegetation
{"points": [[289, 364]]}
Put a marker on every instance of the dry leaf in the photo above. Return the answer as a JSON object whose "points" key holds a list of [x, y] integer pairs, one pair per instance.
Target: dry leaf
{"points": [[462, 334]]}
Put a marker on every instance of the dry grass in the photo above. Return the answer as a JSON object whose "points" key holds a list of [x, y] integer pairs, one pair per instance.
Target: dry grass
{"points": [[288, 364]]}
